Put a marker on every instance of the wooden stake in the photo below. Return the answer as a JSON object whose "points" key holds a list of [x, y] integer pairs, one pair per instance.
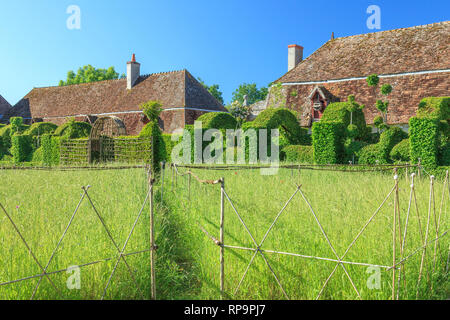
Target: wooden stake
{"points": [[152, 240], [394, 240], [222, 249]]}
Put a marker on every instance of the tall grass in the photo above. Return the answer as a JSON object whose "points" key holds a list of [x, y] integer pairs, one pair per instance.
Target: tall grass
{"points": [[343, 203], [187, 262]]}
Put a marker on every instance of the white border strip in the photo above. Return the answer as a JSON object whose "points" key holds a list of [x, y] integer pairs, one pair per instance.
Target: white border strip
{"points": [[363, 78]]}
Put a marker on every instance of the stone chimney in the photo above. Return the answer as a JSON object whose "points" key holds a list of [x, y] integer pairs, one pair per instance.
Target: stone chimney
{"points": [[295, 56], [133, 72]]}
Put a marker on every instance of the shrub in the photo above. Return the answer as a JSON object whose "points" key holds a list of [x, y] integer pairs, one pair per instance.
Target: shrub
{"points": [[5, 138], [328, 141], [433, 107], [444, 155], [341, 112], [298, 154], [369, 154], [41, 128], [152, 130], [22, 148], [352, 149], [381, 151], [37, 156], [400, 152], [74, 130], [424, 141], [217, 120], [274, 118], [50, 149], [373, 80]]}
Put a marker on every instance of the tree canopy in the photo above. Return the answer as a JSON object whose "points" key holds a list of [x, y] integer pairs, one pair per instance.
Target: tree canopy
{"points": [[89, 74], [253, 93], [213, 89]]}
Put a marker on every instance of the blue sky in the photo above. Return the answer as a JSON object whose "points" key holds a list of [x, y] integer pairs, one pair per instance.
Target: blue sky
{"points": [[227, 42]]}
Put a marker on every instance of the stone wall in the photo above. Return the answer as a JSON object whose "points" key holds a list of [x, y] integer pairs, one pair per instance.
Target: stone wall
{"points": [[403, 101]]}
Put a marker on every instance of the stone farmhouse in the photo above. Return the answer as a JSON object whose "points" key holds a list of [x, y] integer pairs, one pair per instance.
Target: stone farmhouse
{"points": [[183, 98], [415, 61]]}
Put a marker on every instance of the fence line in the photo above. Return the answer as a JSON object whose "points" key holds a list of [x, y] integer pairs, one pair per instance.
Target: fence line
{"points": [[121, 255], [397, 265]]}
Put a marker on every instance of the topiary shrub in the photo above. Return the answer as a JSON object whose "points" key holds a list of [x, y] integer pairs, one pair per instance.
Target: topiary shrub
{"points": [[444, 155], [400, 153], [328, 141], [381, 151], [152, 131], [347, 112], [275, 118], [22, 148], [434, 107], [352, 149], [5, 138], [298, 154], [37, 156], [218, 120], [50, 149], [74, 130], [41, 128]]}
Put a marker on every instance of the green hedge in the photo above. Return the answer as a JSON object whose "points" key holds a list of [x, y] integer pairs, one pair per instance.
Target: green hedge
{"points": [[381, 151], [424, 134], [50, 149], [434, 107], [298, 154], [400, 153], [152, 129], [342, 112], [74, 130], [5, 138], [218, 120], [22, 148], [328, 141], [41, 128], [444, 155]]}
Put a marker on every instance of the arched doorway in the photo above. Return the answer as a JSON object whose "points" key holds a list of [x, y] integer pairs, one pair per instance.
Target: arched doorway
{"points": [[101, 143]]}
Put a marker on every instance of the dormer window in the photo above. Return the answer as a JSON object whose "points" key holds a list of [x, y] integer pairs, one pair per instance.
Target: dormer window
{"points": [[318, 103]]}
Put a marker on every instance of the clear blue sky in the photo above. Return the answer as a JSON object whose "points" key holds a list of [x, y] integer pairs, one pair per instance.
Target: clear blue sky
{"points": [[226, 42]]}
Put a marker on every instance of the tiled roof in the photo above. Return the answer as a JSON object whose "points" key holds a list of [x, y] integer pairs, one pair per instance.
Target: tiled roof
{"points": [[175, 89], [4, 106], [420, 48]]}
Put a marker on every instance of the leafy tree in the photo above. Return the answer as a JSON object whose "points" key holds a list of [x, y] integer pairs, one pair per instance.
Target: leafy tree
{"points": [[151, 109], [382, 106], [214, 90], [239, 111], [89, 74], [253, 93]]}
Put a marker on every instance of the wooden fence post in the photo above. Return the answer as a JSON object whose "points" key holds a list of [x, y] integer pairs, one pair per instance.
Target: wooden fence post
{"points": [[152, 237], [222, 249], [394, 238]]}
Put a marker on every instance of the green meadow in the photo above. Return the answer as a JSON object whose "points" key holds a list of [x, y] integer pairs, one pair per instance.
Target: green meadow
{"points": [[187, 261]]}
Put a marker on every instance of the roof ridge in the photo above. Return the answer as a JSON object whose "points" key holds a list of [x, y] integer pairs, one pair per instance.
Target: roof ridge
{"points": [[392, 30]]}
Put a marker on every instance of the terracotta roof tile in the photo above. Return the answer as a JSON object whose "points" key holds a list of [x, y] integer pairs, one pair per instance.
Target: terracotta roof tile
{"points": [[176, 89], [420, 48]]}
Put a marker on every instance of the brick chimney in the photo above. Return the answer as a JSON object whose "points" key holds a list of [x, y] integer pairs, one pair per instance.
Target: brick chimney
{"points": [[295, 55], [133, 72]]}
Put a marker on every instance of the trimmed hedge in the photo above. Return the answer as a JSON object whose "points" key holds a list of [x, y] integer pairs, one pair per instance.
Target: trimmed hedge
{"points": [[342, 112], [22, 148], [274, 118], [74, 130], [400, 153], [424, 133], [434, 107], [218, 120], [328, 142], [152, 129], [444, 155], [381, 151], [50, 149], [298, 154]]}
